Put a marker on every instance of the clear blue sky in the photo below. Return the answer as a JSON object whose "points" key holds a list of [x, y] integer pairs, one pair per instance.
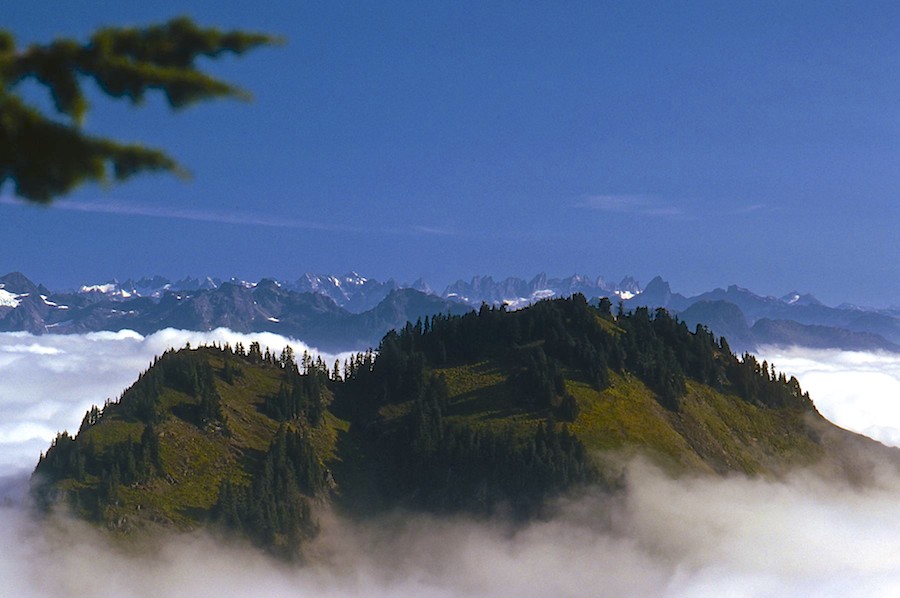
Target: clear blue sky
{"points": [[755, 143]]}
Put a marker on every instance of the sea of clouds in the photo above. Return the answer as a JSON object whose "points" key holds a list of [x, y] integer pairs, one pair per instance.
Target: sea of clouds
{"points": [[855, 390], [48, 382], [687, 537]]}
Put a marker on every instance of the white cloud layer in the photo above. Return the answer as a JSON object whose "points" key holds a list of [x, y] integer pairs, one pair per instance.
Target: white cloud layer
{"points": [[48, 382], [802, 536], [857, 391], [704, 537]]}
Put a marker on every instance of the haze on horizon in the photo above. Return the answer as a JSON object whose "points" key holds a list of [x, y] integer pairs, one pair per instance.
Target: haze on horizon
{"points": [[714, 144]]}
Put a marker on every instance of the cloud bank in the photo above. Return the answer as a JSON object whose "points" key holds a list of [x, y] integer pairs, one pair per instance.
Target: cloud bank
{"points": [[662, 537], [48, 382], [855, 390], [704, 537]]}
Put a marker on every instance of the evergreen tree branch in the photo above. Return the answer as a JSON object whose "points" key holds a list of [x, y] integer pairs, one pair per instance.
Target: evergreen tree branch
{"points": [[45, 158]]}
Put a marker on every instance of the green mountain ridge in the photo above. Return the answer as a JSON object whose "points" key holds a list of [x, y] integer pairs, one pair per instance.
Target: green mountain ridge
{"points": [[486, 413]]}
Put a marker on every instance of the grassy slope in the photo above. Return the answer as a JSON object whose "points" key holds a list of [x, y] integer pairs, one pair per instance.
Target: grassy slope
{"points": [[712, 432], [196, 461]]}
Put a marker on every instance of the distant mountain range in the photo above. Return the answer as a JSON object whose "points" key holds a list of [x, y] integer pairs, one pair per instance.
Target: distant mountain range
{"points": [[268, 306], [351, 312], [749, 320]]}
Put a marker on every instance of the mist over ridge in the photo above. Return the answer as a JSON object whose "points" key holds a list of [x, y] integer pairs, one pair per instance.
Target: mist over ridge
{"points": [[685, 537], [49, 381], [664, 537]]}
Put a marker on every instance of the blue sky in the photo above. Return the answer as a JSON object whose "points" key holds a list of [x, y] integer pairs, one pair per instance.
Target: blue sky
{"points": [[712, 143]]}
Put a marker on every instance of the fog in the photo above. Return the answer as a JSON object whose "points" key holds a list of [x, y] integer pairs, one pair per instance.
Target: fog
{"points": [[661, 537], [702, 537], [48, 382], [855, 390]]}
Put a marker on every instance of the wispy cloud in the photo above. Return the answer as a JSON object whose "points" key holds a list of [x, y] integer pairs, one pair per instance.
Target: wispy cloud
{"points": [[237, 218], [750, 208], [629, 204], [653, 206], [122, 208], [434, 230]]}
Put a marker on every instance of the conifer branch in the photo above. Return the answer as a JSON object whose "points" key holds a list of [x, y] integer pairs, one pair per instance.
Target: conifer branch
{"points": [[45, 158]]}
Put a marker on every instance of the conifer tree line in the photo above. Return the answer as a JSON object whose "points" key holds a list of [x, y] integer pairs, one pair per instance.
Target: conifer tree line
{"points": [[569, 334], [122, 463]]}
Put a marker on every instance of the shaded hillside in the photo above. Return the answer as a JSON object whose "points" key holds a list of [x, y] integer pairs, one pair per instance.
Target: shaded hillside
{"points": [[489, 412], [723, 318]]}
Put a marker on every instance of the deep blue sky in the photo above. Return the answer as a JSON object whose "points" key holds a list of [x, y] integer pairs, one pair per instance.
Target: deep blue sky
{"points": [[713, 143]]}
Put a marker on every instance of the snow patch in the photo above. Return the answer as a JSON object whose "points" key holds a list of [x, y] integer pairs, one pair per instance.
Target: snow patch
{"points": [[355, 279], [8, 299], [98, 288]]}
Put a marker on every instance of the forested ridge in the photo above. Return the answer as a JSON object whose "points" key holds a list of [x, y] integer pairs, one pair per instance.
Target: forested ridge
{"points": [[538, 342], [490, 412], [258, 468]]}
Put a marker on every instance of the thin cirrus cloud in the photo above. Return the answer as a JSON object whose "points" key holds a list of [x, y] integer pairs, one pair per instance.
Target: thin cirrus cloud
{"points": [[214, 216], [641, 205], [651, 206], [434, 230], [222, 217]]}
